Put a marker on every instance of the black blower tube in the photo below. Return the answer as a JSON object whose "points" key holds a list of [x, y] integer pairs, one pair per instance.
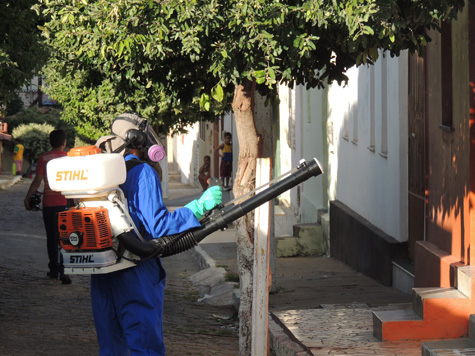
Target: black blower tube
{"points": [[218, 219]]}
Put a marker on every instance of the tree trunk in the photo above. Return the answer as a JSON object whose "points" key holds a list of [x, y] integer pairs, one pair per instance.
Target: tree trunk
{"points": [[245, 181]]}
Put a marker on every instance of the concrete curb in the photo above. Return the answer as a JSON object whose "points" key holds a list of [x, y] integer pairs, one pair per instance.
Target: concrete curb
{"points": [[8, 182], [282, 342], [211, 281], [203, 259]]}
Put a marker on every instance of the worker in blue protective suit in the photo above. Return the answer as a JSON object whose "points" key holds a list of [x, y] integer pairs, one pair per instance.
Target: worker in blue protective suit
{"points": [[128, 304]]}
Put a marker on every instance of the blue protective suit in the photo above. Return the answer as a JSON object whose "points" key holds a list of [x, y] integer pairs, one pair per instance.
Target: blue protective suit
{"points": [[128, 304]]}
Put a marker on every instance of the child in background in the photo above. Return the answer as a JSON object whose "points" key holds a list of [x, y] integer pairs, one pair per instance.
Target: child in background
{"points": [[17, 158], [226, 155], [204, 173]]}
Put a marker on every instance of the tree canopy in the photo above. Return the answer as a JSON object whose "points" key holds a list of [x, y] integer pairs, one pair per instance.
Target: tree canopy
{"points": [[178, 61], [22, 52]]}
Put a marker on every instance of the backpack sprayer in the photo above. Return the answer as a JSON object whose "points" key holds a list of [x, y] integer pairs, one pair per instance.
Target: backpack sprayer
{"points": [[98, 234]]}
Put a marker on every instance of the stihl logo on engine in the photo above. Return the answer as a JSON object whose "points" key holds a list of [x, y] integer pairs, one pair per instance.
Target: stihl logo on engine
{"points": [[81, 259], [71, 175]]}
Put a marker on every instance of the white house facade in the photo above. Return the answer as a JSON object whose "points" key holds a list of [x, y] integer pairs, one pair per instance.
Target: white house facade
{"points": [[359, 134]]}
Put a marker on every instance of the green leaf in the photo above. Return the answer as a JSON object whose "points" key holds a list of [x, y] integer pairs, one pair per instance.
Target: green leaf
{"points": [[259, 74], [297, 42], [271, 73], [369, 30], [204, 102], [359, 59], [121, 48], [392, 37], [373, 53], [217, 93], [260, 80]]}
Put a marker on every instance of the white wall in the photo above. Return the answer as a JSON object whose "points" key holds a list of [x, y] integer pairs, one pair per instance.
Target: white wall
{"points": [[313, 144], [369, 163], [302, 137], [359, 135], [288, 137], [183, 154]]}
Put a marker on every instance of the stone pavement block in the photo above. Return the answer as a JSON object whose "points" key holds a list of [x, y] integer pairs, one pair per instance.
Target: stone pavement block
{"points": [[341, 331], [222, 294], [454, 347], [281, 343], [206, 279]]}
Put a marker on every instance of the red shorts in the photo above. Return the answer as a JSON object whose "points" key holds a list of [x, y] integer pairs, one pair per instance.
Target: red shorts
{"points": [[226, 169]]}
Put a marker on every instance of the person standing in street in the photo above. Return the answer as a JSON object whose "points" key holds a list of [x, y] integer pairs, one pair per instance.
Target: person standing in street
{"points": [[226, 168], [17, 158], [53, 203]]}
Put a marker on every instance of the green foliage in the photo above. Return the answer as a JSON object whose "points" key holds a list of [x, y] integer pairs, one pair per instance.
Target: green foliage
{"points": [[35, 139], [80, 141], [31, 115], [21, 50], [35, 115], [178, 61], [14, 106]]}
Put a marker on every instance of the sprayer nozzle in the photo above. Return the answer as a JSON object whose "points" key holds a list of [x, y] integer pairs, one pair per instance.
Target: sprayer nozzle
{"points": [[319, 166]]}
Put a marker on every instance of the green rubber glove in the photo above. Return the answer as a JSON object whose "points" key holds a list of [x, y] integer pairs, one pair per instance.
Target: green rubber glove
{"points": [[211, 197]]}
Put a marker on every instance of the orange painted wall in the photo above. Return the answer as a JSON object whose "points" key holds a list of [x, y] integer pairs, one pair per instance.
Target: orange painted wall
{"points": [[448, 211], [471, 56]]}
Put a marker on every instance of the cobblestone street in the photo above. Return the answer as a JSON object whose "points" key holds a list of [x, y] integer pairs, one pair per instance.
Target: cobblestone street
{"points": [[42, 317]]}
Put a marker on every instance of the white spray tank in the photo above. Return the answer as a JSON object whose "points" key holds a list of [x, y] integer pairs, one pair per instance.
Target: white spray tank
{"points": [[88, 232]]}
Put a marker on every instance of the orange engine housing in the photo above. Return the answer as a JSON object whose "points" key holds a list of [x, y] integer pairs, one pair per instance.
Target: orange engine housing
{"points": [[85, 229]]}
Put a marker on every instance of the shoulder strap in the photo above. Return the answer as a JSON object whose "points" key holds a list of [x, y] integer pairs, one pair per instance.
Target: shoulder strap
{"points": [[129, 165], [132, 163]]}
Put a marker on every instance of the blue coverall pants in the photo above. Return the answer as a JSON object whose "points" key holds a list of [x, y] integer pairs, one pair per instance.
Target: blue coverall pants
{"points": [[128, 309]]}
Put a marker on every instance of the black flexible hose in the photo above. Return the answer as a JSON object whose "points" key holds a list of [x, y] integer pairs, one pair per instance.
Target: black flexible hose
{"points": [[162, 247], [219, 219]]}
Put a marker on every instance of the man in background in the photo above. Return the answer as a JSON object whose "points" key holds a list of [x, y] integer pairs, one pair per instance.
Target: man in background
{"points": [[53, 203]]}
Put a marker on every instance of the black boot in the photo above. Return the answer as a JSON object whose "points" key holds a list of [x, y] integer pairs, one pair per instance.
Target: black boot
{"points": [[65, 279]]}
